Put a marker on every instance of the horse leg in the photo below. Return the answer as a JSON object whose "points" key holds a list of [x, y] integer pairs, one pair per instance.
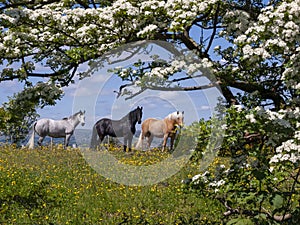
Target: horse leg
{"points": [[98, 141], [165, 141], [139, 144], [101, 138], [40, 140], [142, 142], [125, 143], [130, 142], [67, 140], [172, 142], [150, 139]]}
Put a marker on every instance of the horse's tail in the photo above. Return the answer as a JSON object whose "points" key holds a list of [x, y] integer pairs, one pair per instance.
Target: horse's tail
{"points": [[94, 138], [30, 143], [139, 144]]}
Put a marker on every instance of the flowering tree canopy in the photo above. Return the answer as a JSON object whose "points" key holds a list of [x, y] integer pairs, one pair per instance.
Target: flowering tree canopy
{"points": [[51, 39]]}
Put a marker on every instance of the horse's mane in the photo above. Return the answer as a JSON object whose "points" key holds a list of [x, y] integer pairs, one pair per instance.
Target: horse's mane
{"points": [[171, 115], [129, 115], [72, 116]]}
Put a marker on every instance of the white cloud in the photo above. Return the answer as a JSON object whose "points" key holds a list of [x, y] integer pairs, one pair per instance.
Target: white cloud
{"points": [[205, 107], [169, 94]]}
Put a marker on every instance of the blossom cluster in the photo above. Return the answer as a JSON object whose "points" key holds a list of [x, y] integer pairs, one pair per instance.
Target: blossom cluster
{"points": [[74, 33], [288, 151], [240, 25], [211, 181], [283, 121], [280, 121], [159, 74], [274, 36], [179, 65], [86, 25]]}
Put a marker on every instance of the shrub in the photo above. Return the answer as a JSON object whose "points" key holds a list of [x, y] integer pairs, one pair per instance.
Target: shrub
{"points": [[258, 181]]}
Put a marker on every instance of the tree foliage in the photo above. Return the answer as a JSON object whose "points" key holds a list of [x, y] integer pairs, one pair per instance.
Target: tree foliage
{"points": [[19, 112], [258, 58], [256, 174]]}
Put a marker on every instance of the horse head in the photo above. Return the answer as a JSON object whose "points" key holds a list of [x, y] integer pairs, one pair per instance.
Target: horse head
{"points": [[178, 118], [81, 117], [139, 114]]}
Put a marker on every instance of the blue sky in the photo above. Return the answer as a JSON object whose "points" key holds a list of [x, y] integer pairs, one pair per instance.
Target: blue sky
{"points": [[96, 95]]}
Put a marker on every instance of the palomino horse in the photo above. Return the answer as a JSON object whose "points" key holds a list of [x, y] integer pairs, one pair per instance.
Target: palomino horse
{"points": [[56, 128], [124, 127], [161, 128]]}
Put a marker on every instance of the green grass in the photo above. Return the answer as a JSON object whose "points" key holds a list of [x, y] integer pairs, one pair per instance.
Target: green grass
{"points": [[57, 186]]}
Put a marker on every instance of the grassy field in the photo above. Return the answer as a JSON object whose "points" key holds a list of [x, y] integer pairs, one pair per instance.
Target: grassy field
{"points": [[56, 186]]}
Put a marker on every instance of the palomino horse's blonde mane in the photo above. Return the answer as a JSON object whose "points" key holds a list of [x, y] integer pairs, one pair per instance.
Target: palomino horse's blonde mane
{"points": [[174, 115]]}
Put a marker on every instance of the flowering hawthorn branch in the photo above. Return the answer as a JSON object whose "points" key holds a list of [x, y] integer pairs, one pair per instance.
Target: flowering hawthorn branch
{"points": [[166, 88]]}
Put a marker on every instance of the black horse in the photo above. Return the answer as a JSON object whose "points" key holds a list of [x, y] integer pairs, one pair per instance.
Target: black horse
{"points": [[124, 127]]}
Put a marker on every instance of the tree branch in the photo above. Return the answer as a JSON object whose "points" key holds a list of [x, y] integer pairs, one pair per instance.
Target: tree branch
{"points": [[230, 211], [65, 82], [29, 4], [265, 93], [215, 22], [46, 75], [83, 4], [158, 88], [94, 4], [190, 88], [191, 44]]}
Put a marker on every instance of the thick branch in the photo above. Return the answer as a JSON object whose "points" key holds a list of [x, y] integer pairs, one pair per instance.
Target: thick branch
{"points": [[228, 95], [158, 88], [265, 93], [191, 44], [46, 75], [189, 88], [65, 82]]}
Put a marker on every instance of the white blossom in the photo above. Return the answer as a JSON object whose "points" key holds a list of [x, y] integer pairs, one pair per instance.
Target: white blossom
{"points": [[288, 151], [247, 51], [238, 108], [217, 183], [241, 39], [196, 177], [148, 29], [251, 117]]}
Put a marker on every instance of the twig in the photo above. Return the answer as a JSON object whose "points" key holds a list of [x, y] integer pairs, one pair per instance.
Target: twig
{"points": [[278, 218]]}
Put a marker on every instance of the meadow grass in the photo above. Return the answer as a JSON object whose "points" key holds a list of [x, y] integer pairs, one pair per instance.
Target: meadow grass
{"points": [[57, 186]]}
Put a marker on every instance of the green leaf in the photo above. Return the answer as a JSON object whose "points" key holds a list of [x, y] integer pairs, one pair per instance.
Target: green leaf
{"points": [[260, 175], [277, 201]]}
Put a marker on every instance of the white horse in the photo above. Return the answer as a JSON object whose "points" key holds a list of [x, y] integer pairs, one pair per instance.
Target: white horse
{"points": [[165, 128], [56, 128]]}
